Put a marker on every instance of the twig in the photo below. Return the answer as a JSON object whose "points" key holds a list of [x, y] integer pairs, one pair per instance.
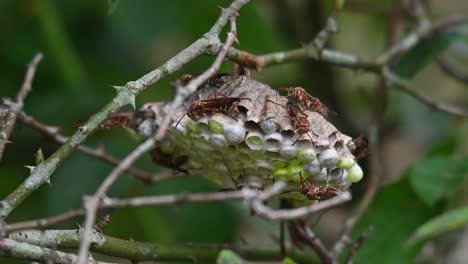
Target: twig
{"points": [[393, 79], [92, 204], [453, 70], [171, 199], [310, 51], [125, 96], [27, 251], [16, 107], [160, 200], [44, 222], [99, 153], [245, 194], [317, 245], [140, 251], [357, 245], [308, 236], [289, 214]]}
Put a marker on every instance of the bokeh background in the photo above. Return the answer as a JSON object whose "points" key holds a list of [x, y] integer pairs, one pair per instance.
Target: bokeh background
{"points": [[87, 49]]}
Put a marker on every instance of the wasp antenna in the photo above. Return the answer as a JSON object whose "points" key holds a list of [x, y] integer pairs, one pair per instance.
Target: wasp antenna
{"points": [[298, 137], [275, 103], [230, 116], [217, 93], [180, 119], [304, 179]]}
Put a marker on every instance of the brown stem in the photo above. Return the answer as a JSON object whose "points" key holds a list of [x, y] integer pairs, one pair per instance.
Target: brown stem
{"points": [[98, 153]]}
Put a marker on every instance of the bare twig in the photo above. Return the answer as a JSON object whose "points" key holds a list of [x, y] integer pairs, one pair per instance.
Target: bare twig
{"points": [[395, 80], [27, 251], [357, 245], [16, 107], [453, 70], [92, 204], [245, 194], [317, 245], [289, 214], [99, 153], [149, 201], [306, 235], [44, 222], [309, 51], [171, 199]]}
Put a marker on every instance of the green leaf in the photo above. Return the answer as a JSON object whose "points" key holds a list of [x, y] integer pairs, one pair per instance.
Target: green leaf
{"points": [[441, 224], [429, 49], [395, 213], [288, 261], [112, 6], [445, 147], [437, 178], [229, 257]]}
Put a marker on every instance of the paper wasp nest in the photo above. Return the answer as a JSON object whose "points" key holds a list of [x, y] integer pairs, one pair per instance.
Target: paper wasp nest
{"points": [[246, 136]]}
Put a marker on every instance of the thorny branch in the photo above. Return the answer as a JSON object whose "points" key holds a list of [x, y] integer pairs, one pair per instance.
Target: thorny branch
{"points": [[92, 204], [131, 250], [16, 107], [29, 251]]}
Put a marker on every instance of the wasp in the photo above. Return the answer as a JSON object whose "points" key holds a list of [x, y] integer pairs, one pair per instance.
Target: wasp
{"points": [[215, 81], [168, 160], [182, 81], [102, 224], [313, 192], [201, 108], [117, 120], [361, 149], [298, 118], [300, 95]]}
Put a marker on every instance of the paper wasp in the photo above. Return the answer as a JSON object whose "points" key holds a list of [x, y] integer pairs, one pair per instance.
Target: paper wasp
{"points": [[117, 120], [300, 95], [201, 108], [298, 118], [313, 192], [168, 160], [99, 227], [361, 149]]}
